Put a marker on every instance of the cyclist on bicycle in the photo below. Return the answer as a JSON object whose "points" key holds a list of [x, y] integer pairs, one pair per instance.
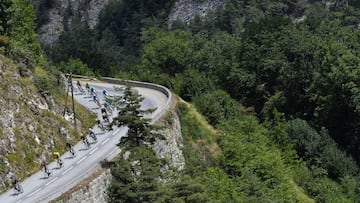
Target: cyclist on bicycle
{"points": [[46, 169], [69, 148], [96, 100], [16, 184], [93, 91], [92, 134], [85, 141], [99, 124], [87, 87], [58, 159], [105, 93]]}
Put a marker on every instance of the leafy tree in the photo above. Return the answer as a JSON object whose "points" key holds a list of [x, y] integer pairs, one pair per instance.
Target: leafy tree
{"points": [[22, 29], [4, 16], [75, 66], [165, 52]]}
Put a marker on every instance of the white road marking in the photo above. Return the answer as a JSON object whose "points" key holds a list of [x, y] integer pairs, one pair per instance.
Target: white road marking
{"points": [[67, 170], [51, 181], [116, 131], [93, 150], [105, 141], [111, 152], [82, 159], [31, 194]]}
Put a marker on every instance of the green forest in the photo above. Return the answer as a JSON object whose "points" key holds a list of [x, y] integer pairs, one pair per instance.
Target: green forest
{"points": [[278, 81]]}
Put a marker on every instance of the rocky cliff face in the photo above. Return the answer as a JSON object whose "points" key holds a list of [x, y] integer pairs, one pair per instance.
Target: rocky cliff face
{"points": [[186, 10], [94, 192], [31, 125], [169, 149], [60, 13]]}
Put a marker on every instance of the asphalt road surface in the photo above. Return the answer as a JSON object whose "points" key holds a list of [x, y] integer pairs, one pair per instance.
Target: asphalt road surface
{"points": [[40, 188]]}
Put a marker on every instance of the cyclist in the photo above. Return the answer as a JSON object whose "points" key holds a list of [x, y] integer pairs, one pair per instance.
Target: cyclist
{"points": [[58, 159], [85, 141], [87, 87], [107, 107], [46, 169], [16, 184], [96, 100], [104, 114], [78, 84], [99, 124], [92, 134], [69, 148], [92, 91], [105, 93]]}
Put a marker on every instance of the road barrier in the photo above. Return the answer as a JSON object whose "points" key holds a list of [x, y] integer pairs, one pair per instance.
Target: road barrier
{"points": [[153, 86]]}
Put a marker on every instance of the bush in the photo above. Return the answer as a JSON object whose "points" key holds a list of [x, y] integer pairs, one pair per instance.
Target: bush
{"points": [[194, 83], [4, 41], [217, 106], [76, 66]]}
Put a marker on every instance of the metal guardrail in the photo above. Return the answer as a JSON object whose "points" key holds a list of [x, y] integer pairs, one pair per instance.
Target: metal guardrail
{"points": [[79, 76], [153, 86]]}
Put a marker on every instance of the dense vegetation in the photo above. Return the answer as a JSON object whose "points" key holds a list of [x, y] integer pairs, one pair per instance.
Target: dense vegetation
{"points": [[278, 79]]}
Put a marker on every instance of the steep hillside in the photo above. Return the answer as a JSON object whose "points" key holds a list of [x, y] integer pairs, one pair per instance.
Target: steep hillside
{"points": [[31, 121], [278, 80]]}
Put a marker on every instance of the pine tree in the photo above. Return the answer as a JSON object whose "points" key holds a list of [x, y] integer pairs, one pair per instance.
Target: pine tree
{"points": [[140, 130], [136, 178]]}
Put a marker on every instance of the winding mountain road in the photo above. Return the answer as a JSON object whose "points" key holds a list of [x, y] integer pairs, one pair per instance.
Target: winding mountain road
{"points": [[39, 188]]}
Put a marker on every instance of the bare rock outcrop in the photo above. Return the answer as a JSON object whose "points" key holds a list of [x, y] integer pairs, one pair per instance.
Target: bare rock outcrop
{"points": [[186, 10], [61, 13]]}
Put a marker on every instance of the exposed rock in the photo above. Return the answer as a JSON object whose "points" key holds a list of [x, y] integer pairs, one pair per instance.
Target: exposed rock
{"points": [[93, 11], [186, 10], [94, 192], [50, 32], [62, 14], [23, 70], [170, 147]]}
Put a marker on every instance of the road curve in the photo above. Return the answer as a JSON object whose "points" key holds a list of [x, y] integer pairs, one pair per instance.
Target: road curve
{"points": [[38, 188]]}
